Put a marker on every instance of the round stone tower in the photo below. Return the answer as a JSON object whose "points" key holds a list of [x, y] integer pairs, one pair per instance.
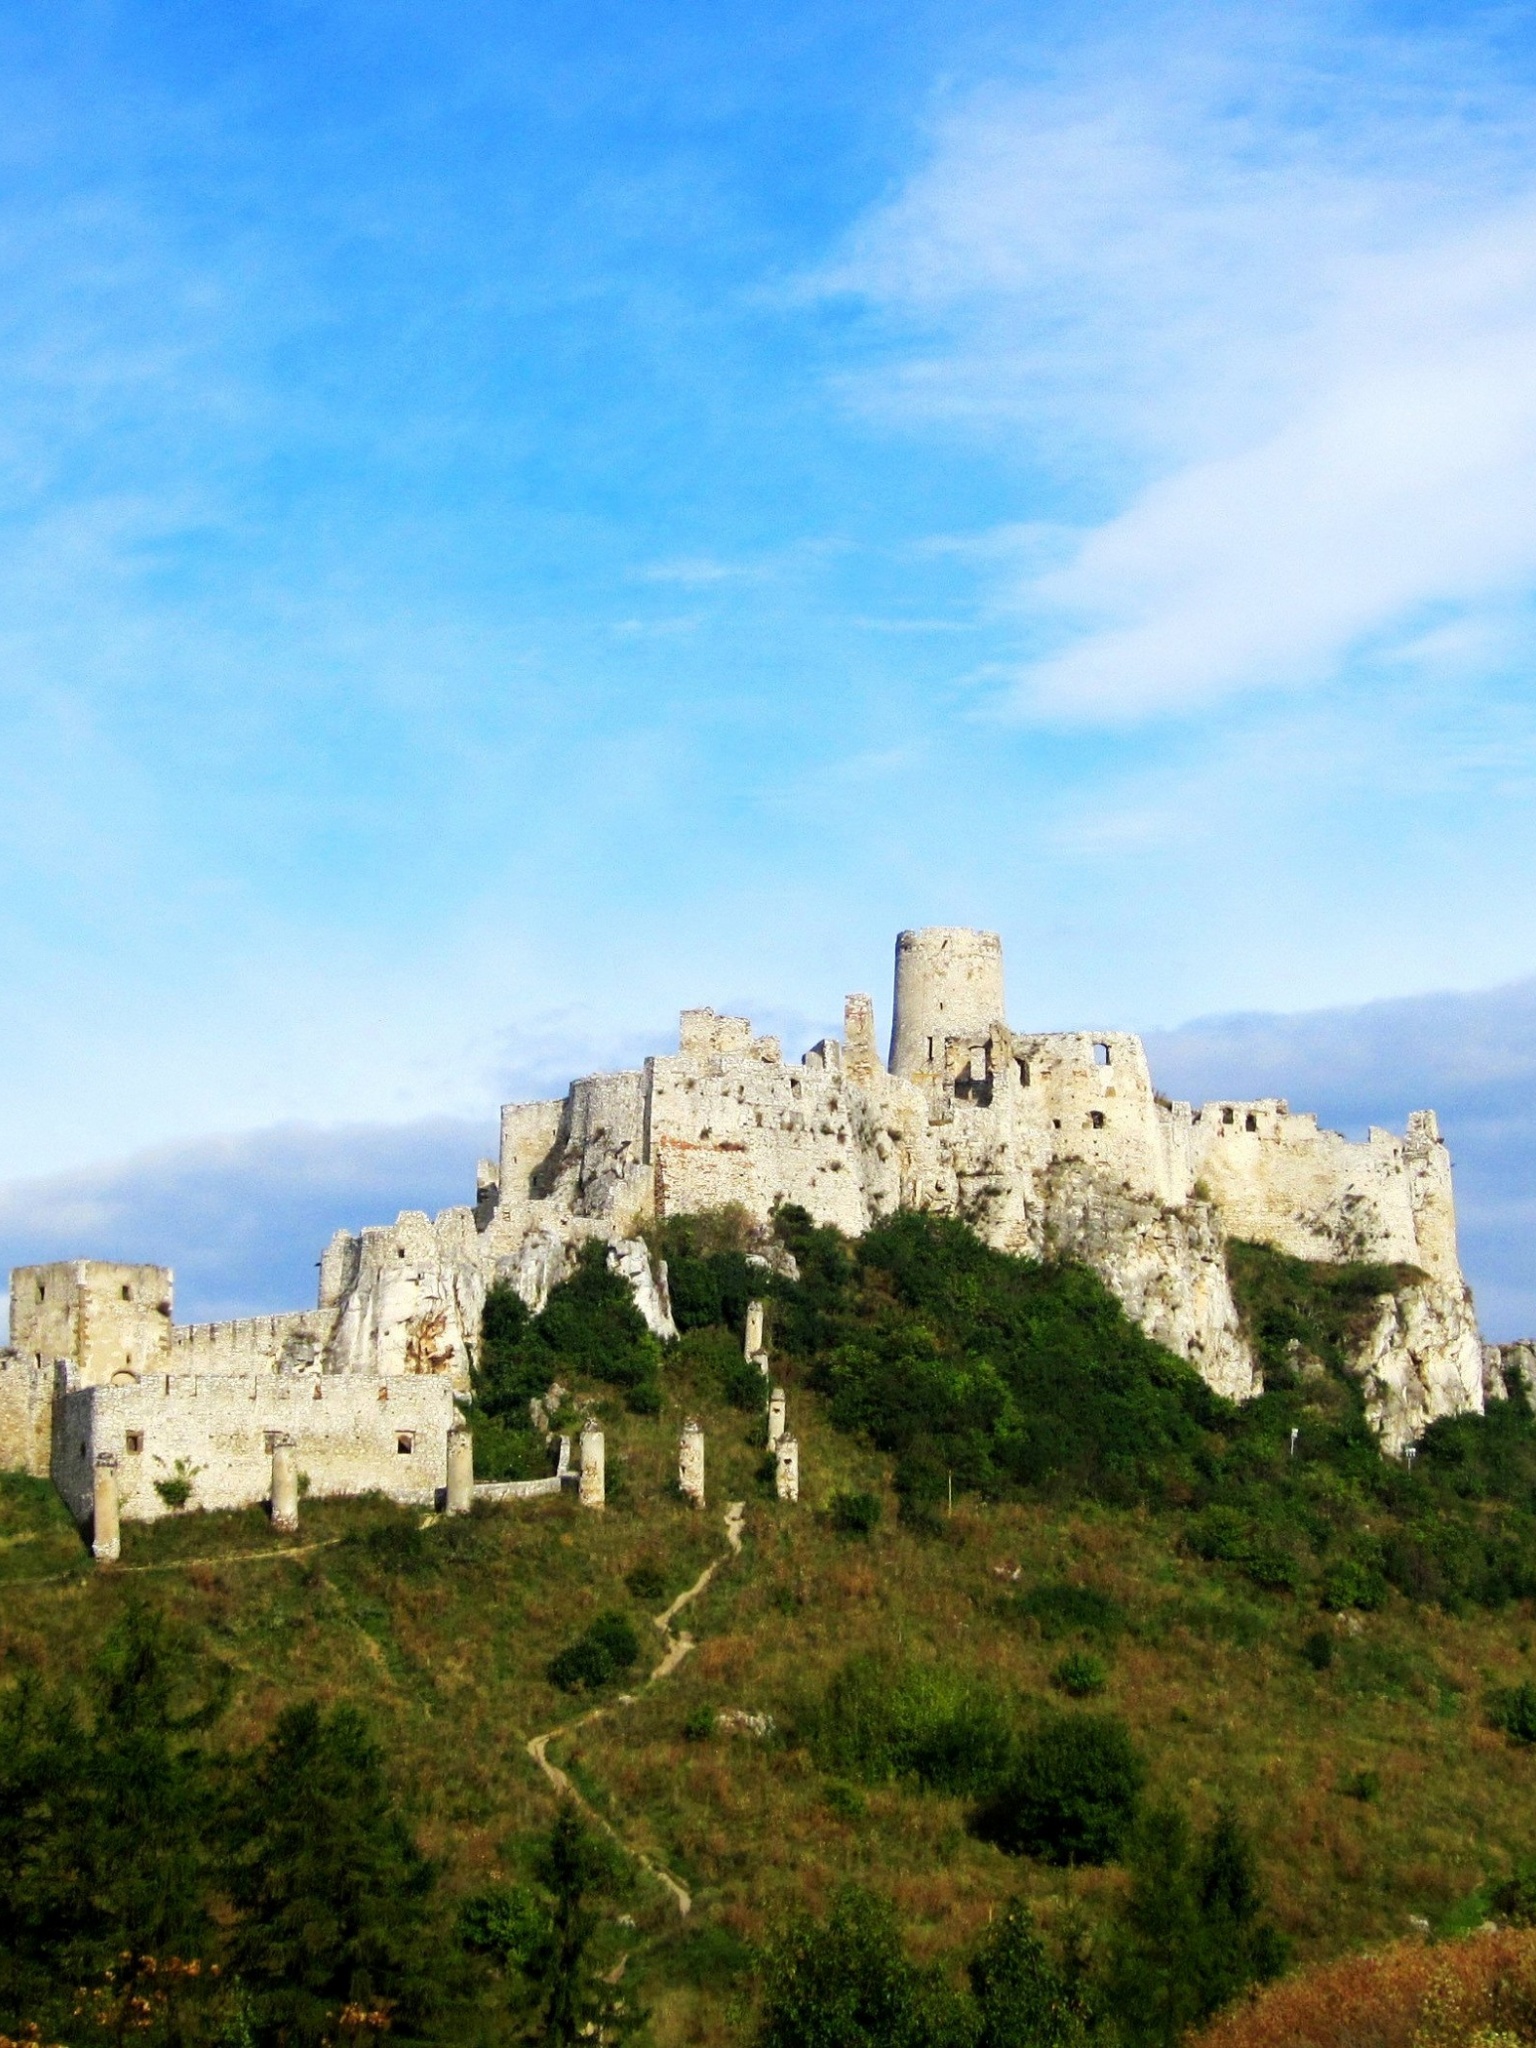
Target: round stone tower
{"points": [[949, 984]]}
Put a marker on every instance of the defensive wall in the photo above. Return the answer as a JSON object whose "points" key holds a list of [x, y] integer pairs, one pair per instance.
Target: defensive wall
{"points": [[351, 1435]]}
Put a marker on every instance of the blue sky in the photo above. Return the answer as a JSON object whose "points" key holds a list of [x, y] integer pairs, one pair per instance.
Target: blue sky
{"points": [[516, 519]]}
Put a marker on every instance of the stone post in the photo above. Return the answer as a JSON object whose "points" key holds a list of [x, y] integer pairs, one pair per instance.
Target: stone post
{"points": [[786, 1475], [285, 1484], [106, 1537], [461, 1470], [690, 1463], [593, 1490], [777, 1424], [753, 1342]]}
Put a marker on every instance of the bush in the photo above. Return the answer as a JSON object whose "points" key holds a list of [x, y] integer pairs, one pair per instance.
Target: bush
{"points": [[605, 1650], [878, 1720], [1515, 1898], [1063, 1608], [1072, 1794], [855, 1514], [647, 1580], [1348, 1582], [1318, 1649], [1512, 1709], [700, 1725], [1080, 1674]]}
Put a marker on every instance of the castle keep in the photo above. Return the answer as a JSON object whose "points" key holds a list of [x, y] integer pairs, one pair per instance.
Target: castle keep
{"points": [[1051, 1144]]}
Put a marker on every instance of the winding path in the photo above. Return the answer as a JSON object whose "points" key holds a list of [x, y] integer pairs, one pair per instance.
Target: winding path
{"points": [[679, 1644]]}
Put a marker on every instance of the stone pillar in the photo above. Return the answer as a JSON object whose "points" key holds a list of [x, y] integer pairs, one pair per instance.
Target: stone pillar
{"points": [[690, 1463], [461, 1470], [285, 1484], [860, 1059], [106, 1537], [593, 1475], [786, 1474], [777, 1423], [753, 1342]]}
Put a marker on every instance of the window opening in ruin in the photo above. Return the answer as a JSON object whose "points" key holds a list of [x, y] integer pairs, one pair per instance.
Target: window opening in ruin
{"points": [[1023, 1067], [135, 1440], [1055, 1123], [1250, 1122], [317, 1394], [42, 1292], [383, 1395], [400, 1254], [930, 1052], [1096, 1118], [127, 1294], [1101, 1055], [403, 1443], [1226, 1116]]}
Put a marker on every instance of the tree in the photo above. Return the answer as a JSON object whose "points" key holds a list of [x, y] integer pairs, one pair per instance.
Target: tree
{"points": [[1192, 1935], [1022, 2001], [330, 1891], [847, 1983], [575, 1865], [104, 1822]]}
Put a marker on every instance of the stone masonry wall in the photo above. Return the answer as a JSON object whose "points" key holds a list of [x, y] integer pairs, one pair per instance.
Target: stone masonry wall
{"points": [[348, 1433]]}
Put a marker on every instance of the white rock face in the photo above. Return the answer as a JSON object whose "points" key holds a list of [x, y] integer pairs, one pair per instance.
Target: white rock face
{"points": [[1422, 1359]]}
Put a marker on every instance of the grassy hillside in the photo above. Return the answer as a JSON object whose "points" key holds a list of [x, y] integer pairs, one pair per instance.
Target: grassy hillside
{"points": [[1312, 1643]]}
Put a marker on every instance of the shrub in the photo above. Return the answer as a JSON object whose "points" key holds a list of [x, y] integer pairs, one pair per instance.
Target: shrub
{"points": [[176, 1491], [879, 1720], [700, 1725], [855, 1514], [1318, 1649], [1347, 1582], [1063, 1608], [1072, 1793], [1080, 1674], [1416, 1992], [1512, 1709], [647, 1580], [605, 1650], [1515, 1898]]}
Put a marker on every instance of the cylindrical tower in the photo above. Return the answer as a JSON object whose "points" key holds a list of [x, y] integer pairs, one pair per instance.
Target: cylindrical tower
{"points": [[949, 984]]}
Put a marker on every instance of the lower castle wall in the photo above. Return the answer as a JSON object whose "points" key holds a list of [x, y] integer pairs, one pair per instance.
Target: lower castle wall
{"points": [[347, 1432], [26, 1410]]}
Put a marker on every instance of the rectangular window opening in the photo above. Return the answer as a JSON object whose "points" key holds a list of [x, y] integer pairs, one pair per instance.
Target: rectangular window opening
{"points": [[1096, 1118], [1023, 1067], [1100, 1055], [127, 1294], [135, 1439], [1250, 1122], [403, 1443]]}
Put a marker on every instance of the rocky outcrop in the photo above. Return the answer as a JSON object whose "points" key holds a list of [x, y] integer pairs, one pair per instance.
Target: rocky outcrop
{"points": [[1421, 1358]]}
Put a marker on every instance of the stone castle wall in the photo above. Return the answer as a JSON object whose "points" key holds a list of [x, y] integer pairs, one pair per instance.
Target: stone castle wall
{"points": [[351, 1436]]}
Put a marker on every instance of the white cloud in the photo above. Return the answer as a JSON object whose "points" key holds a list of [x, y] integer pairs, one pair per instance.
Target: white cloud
{"points": [[1272, 311]]}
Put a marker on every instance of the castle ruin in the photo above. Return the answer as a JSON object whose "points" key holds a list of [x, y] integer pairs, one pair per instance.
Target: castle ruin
{"points": [[1050, 1144]]}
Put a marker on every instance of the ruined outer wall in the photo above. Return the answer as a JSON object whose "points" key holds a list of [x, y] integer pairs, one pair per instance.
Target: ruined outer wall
{"points": [[26, 1414], [347, 1434], [1315, 1194], [415, 1302], [291, 1342], [107, 1318]]}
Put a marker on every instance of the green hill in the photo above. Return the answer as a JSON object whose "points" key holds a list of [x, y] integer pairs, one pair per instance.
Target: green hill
{"points": [[1014, 1508]]}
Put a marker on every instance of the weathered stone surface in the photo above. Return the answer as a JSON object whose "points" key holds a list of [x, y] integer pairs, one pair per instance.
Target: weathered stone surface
{"points": [[1421, 1359], [690, 1463]]}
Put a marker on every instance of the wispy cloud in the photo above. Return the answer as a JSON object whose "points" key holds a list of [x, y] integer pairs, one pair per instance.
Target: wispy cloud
{"points": [[1271, 295]]}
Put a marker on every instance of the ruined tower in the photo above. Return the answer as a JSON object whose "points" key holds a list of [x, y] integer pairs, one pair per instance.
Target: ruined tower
{"points": [[949, 984]]}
